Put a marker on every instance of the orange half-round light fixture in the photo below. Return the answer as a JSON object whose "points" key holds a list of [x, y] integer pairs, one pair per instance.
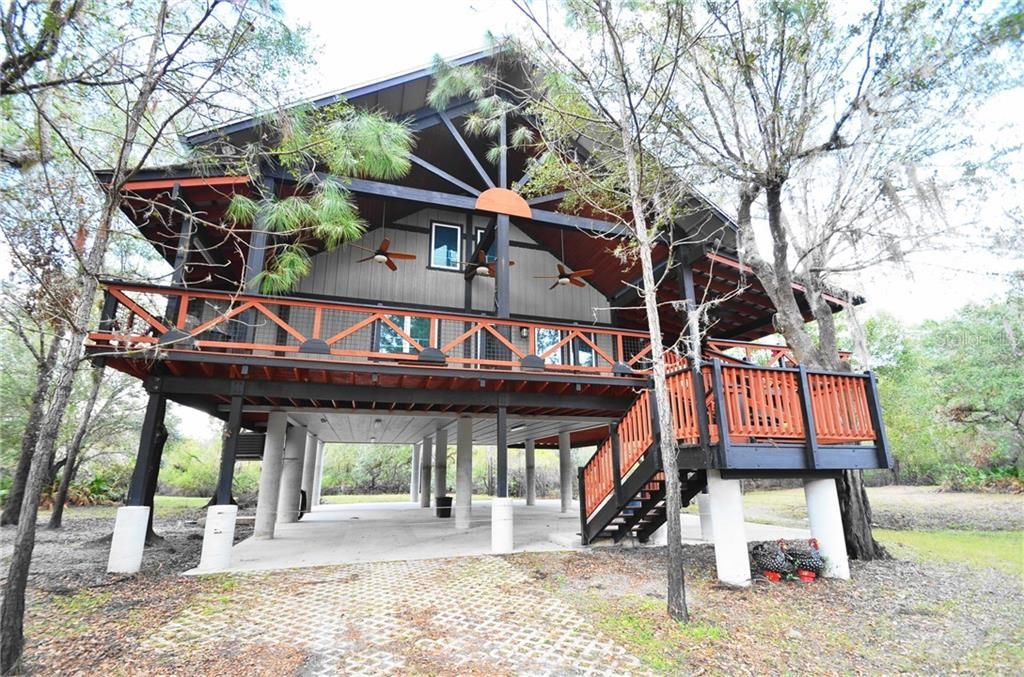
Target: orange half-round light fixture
{"points": [[503, 201]]}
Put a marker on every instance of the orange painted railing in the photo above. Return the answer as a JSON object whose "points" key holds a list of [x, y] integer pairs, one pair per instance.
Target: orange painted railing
{"points": [[762, 406], [147, 317]]}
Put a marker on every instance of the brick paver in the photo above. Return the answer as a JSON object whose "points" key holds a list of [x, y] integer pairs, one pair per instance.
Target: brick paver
{"points": [[472, 615]]}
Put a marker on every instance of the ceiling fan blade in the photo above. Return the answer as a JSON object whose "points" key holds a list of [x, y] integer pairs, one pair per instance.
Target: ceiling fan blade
{"points": [[368, 258], [481, 257], [402, 256], [561, 270], [385, 243], [492, 269], [577, 282], [552, 286], [583, 273], [390, 264]]}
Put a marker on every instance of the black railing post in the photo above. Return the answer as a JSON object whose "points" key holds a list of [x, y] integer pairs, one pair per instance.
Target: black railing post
{"points": [[584, 531], [700, 406], [108, 316], [810, 429], [616, 462], [884, 453], [721, 414]]}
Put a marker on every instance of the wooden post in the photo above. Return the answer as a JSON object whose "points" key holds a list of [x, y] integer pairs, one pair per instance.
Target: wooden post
{"points": [[721, 413], [229, 447], [616, 462], [152, 422], [884, 453], [806, 410], [584, 531]]}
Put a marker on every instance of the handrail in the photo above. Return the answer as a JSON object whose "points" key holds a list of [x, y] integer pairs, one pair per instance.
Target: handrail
{"points": [[141, 316], [762, 405]]}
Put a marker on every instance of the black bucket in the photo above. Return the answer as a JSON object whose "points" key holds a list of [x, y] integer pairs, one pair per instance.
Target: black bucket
{"points": [[444, 506]]}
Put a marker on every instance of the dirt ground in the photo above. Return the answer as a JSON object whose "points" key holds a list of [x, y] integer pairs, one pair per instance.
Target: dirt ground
{"points": [[894, 616], [902, 507]]}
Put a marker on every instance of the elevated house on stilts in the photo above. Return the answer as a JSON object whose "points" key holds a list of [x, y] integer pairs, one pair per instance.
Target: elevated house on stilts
{"points": [[422, 332]]}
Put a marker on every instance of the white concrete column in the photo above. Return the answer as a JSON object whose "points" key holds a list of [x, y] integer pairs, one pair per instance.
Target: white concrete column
{"points": [[827, 526], [463, 472], [318, 474], [731, 558], [129, 539], [565, 470], [309, 468], [441, 463], [531, 473], [291, 475], [270, 476], [414, 475], [502, 532], [707, 532], [218, 537], [425, 457]]}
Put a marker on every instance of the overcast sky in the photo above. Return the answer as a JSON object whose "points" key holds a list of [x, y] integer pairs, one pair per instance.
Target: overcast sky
{"points": [[358, 42]]}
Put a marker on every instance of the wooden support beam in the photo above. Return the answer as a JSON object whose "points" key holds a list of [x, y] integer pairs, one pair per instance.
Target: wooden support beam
{"points": [[803, 387], [465, 148], [437, 171]]}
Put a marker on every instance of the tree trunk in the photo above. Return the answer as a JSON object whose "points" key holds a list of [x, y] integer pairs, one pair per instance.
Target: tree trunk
{"points": [[12, 507], [71, 462], [676, 594], [856, 511]]}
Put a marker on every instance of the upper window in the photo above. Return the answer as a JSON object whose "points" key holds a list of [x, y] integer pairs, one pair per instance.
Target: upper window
{"points": [[445, 246], [545, 340], [492, 251]]}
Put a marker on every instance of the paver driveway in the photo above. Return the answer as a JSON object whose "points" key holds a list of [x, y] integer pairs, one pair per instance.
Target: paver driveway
{"points": [[471, 615]]}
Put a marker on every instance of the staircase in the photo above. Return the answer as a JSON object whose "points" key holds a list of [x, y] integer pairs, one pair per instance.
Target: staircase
{"points": [[622, 487], [736, 417]]}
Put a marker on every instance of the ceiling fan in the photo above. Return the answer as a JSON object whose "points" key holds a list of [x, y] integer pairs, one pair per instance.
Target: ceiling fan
{"points": [[382, 254], [481, 266], [566, 277]]}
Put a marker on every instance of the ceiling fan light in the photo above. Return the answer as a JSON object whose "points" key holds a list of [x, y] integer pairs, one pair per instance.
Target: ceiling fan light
{"points": [[483, 271], [380, 258], [563, 281]]}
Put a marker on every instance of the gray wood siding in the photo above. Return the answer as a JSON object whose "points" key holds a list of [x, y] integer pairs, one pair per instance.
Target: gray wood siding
{"points": [[336, 273]]}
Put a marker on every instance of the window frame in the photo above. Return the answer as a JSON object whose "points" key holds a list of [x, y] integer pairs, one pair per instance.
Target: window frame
{"points": [[459, 245], [478, 234]]}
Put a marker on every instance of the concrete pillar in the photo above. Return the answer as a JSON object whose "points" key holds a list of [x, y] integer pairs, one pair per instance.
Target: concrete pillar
{"points": [[531, 473], [441, 463], [129, 539], [827, 526], [704, 509], [291, 475], [414, 475], [270, 476], [425, 454], [730, 535], [218, 537], [309, 468], [463, 472], [565, 470], [502, 537], [318, 474]]}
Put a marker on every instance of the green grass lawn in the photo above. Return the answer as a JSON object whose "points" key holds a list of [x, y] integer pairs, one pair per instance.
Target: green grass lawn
{"points": [[1002, 550]]}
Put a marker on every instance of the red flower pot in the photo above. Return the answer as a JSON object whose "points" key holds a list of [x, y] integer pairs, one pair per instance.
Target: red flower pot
{"points": [[773, 576], [805, 575]]}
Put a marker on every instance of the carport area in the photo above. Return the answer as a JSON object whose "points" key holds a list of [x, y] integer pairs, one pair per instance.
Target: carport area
{"points": [[381, 532]]}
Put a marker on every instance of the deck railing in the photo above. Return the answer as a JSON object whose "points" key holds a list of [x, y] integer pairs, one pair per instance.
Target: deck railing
{"points": [[138, 317], [762, 406]]}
